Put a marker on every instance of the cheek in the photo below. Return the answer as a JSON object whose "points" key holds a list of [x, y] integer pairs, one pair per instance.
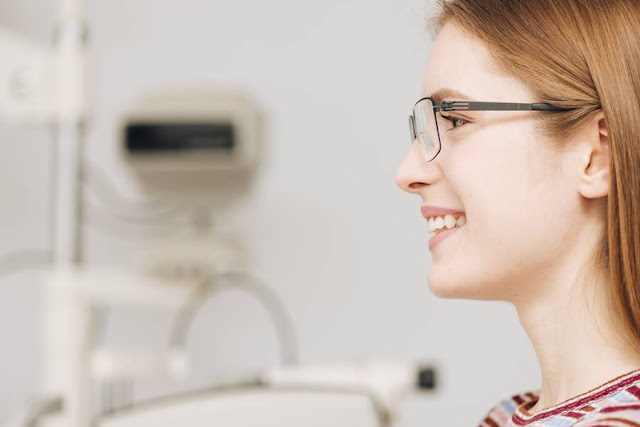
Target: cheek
{"points": [[506, 182], [508, 192], [503, 214], [517, 203], [494, 183]]}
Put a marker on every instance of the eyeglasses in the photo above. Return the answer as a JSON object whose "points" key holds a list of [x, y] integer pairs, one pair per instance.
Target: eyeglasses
{"points": [[425, 123]]}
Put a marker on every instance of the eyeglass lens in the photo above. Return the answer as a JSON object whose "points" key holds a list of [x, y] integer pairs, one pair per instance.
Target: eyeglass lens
{"points": [[425, 128]]}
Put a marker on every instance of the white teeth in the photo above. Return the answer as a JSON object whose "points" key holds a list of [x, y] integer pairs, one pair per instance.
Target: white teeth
{"points": [[449, 221], [439, 223]]}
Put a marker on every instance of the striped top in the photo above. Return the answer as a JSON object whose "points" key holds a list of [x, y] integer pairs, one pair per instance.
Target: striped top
{"points": [[615, 403]]}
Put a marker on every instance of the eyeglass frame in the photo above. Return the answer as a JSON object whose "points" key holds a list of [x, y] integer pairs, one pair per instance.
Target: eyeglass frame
{"points": [[475, 106]]}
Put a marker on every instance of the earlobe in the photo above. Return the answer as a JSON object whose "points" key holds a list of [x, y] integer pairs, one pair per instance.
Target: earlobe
{"points": [[594, 180]]}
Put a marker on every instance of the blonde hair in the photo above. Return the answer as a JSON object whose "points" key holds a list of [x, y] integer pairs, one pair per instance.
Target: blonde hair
{"points": [[583, 54]]}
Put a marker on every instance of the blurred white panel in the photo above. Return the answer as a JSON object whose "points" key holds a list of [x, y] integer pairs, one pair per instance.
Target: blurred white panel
{"points": [[254, 407]]}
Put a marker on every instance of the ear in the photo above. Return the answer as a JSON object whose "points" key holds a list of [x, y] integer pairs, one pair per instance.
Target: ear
{"points": [[594, 179]]}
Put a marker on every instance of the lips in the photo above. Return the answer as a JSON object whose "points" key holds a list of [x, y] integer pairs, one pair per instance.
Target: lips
{"points": [[440, 230], [435, 240], [430, 211]]}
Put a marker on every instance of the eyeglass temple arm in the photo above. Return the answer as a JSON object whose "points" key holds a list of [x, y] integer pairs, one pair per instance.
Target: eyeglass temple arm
{"points": [[495, 106]]}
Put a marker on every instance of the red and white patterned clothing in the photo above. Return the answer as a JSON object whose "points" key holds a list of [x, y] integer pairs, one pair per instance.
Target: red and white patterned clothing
{"points": [[615, 403]]}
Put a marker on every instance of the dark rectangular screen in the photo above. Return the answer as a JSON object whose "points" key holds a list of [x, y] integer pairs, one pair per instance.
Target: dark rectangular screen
{"points": [[150, 138]]}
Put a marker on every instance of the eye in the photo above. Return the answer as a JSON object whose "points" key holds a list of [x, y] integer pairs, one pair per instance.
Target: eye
{"points": [[456, 122]]}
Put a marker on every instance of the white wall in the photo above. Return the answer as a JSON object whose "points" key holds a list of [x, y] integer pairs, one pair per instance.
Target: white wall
{"points": [[325, 224]]}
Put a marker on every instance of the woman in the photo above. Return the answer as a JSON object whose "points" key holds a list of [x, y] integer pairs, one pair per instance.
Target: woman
{"points": [[540, 195]]}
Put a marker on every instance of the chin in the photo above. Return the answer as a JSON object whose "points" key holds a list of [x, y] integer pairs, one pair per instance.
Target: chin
{"points": [[455, 290], [444, 291]]}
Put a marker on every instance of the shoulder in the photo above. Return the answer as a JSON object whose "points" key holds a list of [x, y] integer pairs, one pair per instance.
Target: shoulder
{"points": [[501, 414]]}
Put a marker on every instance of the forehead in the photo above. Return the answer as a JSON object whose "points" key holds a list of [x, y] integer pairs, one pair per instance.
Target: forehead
{"points": [[461, 63]]}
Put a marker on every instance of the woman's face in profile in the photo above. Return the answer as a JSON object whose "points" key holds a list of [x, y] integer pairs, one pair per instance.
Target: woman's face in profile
{"points": [[518, 196]]}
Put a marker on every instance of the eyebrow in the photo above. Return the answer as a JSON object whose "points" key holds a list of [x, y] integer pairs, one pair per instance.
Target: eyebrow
{"points": [[446, 92]]}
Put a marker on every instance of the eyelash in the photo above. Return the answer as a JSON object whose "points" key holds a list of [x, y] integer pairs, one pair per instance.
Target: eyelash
{"points": [[453, 120]]}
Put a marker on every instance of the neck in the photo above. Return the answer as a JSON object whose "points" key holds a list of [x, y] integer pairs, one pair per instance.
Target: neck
{"points": [[578, 342], [577, 336]]}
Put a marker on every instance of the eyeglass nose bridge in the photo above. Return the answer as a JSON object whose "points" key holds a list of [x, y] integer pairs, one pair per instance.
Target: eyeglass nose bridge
{"points": [[412, 129]]}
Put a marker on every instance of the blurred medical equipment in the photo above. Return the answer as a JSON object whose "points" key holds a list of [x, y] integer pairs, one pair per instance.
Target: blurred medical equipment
{"points": [[193, 146], [191, 131], [366, 394], [171, 140], [331, 395]]}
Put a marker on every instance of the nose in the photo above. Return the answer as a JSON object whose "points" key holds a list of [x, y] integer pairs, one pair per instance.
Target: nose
{"points": [[415, 173]]}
